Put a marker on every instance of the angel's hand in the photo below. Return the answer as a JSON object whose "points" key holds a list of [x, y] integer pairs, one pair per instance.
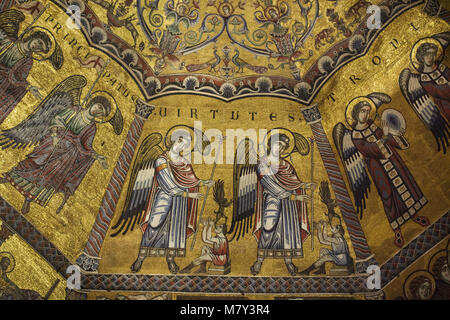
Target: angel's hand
{"points": [[195, 195], [102, 161], [310, 185], [35, 92], [209, 183], [302, 197]]}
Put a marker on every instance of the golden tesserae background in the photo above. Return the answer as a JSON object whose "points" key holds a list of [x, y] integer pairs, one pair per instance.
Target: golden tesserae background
{"points": [[243, 149]]}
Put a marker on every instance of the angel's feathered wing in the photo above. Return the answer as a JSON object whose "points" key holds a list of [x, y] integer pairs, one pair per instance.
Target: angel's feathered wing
{"points": [[57, 58], [117, 122], [30, 131], [443, 38], [301, 144], [140, 185], [10, 22], [354, 164], [245, 181], [425, 108]]}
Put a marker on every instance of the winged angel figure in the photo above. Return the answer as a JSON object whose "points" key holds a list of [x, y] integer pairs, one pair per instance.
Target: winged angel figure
{"points": [[266, 188], [368, 149], [427, 88], [17, 55], [163, 194], [63, 132]]}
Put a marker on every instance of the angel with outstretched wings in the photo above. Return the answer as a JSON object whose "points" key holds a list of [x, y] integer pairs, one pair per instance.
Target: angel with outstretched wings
{"points": [[63, 132], [163, 193], [270, 199], [17, 55], [427, 88], [368, 150]]}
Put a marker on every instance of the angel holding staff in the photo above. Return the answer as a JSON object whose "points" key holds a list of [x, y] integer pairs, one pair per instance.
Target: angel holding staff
{"points": [[64, 132], [269, 188], [163, 194]]}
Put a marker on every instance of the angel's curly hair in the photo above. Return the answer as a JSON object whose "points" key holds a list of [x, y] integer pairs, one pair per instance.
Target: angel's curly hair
{"points": [[100, 100], [423, 49], [42, 36], [357, 109], [416, 284]]}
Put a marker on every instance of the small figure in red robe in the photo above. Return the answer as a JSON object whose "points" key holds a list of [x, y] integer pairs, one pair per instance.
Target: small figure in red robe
{"points": [[17, 54], [216, 249], [64, 133], [368, 149]]}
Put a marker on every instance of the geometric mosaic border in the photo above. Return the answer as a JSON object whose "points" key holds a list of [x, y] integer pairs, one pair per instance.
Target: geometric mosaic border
{"points": [[227, 284], [415, 249], [224, 284], [33, 237]]}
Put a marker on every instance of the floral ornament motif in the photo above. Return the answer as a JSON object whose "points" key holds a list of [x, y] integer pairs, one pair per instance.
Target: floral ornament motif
{"points": [[280, 32], [167, 41], [167, 49], [226, 8], [288, 43], [182, 11], [268, 13], [287, 34], [226, 65], [118, 16], [165, 44]]}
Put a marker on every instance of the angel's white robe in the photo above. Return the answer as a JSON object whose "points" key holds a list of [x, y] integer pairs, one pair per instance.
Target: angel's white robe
{"points": [[281, 223], [171, 216]]}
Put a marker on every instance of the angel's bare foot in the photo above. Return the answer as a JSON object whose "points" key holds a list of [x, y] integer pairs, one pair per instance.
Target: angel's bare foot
{"points": [[173, 267], [256, 267], [63, 203], [136, 266], [26, 206], [59, 208], [291, 268]]}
